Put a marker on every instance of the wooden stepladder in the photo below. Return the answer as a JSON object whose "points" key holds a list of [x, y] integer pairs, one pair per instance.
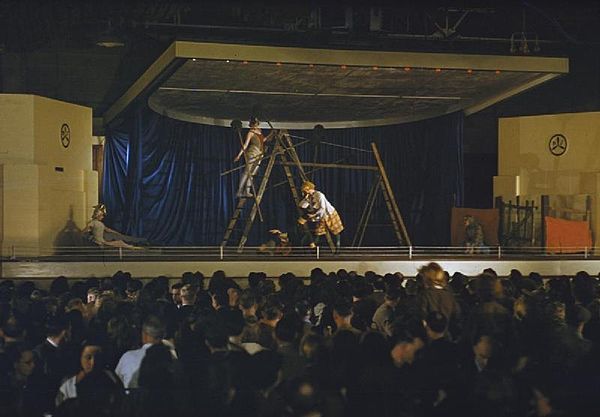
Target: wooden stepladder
{"points": [[381, 183], [284, 152]]}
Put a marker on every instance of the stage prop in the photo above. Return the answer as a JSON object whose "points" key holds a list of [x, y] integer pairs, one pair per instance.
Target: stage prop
{"points": [[516, 226], [566, 229], [284, 153], [567, 236], [47, 185]]}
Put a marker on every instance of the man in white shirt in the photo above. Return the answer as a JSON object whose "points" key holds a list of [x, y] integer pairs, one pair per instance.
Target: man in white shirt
{"points": [[128, 368]]}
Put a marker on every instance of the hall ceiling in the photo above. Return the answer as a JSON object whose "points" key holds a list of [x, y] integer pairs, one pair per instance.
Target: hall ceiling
{"points": [[300, 87]]}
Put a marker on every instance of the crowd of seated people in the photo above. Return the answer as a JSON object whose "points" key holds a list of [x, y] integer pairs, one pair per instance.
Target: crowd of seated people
{"points": [[337, 344]]}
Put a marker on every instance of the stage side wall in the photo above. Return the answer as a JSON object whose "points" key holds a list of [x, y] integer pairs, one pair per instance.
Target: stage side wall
{"points": [[48, 190], [527, 168]]}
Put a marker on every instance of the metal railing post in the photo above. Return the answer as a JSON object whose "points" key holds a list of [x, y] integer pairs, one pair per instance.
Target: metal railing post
{"points": [[221, 252], [120, 254], [318, 252], [410, 252], [585, 253], [499, 252]]}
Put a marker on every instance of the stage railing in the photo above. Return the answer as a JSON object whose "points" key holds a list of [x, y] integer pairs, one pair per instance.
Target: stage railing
{"points": [[217, 253]]}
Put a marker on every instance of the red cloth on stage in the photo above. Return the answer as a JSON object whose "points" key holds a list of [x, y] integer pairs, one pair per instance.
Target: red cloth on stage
{"points": [[567, 236]]}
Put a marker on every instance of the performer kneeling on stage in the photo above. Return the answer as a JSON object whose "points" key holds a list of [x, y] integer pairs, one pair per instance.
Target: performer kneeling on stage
{"points": [[102, 235], [320, 213], [474, 237]]}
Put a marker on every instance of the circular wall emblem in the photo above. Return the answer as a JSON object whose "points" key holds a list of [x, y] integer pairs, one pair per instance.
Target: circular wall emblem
{"points": [[65, 135], [558, 144]]}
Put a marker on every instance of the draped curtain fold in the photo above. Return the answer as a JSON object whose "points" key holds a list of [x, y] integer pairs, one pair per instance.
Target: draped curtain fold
{"points": [[162, 179]]}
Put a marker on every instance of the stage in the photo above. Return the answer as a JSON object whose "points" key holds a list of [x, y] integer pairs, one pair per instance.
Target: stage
{"points": [[172, 262]]}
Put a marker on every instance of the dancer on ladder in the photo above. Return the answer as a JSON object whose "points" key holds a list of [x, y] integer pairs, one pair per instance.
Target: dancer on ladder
{"points": [[253, 150], [319, 211]]}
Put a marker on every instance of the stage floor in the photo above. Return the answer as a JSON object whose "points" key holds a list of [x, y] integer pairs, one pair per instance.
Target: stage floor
{"points": [[173, 262]]}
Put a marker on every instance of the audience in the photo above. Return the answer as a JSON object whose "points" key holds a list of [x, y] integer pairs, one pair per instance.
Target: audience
{"points": [[337, 344]]}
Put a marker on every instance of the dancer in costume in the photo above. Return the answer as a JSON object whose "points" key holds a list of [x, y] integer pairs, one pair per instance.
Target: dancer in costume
{"points": [[102, 235], [320, 213], [254, 149]]}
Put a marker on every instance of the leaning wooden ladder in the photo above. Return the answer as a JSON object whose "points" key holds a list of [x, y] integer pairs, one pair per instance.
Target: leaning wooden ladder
{"points": [[381, 182], [285, 150]]}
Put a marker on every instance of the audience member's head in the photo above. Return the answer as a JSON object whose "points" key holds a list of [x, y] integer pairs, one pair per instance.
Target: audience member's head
{"points": [[220, 299], [407, 340], [248, 303], [433, 275], [153, 330], [271, 313], [312, 347], [22, 358], [188, 294], [488, 288], [233, 322], [392, 296], [436, 325], [92, 294], [233, 295], [90, 356], [59, 286], [176, 293], [216, 335], [342, 313], [57, 329], [288, 329], [483, 349]]}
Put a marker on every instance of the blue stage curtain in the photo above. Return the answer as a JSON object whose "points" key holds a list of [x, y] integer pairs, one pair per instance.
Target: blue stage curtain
{"points": [[162, 179]]}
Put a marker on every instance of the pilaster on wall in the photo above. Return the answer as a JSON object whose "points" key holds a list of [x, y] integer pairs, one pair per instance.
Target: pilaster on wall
{"points": [[47, 184], [20, 207]]}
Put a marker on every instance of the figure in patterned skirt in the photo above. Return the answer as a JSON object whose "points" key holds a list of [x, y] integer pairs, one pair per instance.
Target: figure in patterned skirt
{"points": [[320, 214]]}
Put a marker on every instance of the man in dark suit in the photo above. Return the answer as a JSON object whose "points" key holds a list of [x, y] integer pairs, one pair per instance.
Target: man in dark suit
{"points": [[52, 364]]}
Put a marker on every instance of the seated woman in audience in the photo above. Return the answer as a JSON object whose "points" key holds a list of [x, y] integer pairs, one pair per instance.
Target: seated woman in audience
{"points": [[89, 359]]}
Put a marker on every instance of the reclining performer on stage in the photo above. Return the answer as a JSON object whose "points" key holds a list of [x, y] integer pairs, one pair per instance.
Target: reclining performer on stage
{"points": [[320, 213], [102, 235], [254, 150]]}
